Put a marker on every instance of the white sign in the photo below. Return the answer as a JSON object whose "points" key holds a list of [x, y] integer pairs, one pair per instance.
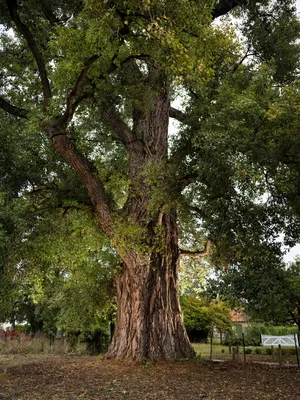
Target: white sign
{"points": [[288, 340]]}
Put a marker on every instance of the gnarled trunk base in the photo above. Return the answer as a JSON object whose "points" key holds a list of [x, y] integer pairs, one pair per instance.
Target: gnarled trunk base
{"points": [[149, 321]]}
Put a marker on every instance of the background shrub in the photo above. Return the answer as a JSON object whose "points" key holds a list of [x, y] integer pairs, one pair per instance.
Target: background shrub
{"points": [[253, 332]]}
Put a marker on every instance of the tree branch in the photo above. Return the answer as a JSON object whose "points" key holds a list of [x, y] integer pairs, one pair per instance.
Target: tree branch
{"points": [[80, 99], [187, 180], [294, 319], [25, 32], [197, 210], [71, 100], [223, 7], [114, 120], [177, 114], [242, 60], [56, 132], [49, 14], [53, 19], [197, 253], [13, 110]]}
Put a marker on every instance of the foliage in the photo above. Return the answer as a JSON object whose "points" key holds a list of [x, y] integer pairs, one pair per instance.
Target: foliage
{"points": [[21, 343], [97, 342], [268, 292], [231, 100], [59, 275], [11, 334], [253, 332], [192, 276], [65, 275], [96, 79], [201, 316], [26, 328]]}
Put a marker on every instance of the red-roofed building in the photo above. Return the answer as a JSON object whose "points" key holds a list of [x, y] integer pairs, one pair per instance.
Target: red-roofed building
{"points": [[239, 321]]}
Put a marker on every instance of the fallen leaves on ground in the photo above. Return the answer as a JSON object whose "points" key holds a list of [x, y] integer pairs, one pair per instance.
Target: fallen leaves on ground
{"points": [[90, 378]]}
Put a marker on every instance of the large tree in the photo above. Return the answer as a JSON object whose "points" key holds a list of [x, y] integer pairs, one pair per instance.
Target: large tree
{"points": [[97, 78]]}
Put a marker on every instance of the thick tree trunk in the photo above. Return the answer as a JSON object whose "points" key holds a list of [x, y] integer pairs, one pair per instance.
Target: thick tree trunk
{"points": [[149, 321]]}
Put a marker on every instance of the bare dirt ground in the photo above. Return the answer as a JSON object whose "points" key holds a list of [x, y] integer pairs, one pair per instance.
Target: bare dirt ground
{"points": [[91, 378]]}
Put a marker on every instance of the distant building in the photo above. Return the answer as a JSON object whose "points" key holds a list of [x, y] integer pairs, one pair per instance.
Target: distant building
{"points": [[239, 321]]}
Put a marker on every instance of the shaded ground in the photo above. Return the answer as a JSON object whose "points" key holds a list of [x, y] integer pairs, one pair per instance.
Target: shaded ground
{"points": [[90, 378]]}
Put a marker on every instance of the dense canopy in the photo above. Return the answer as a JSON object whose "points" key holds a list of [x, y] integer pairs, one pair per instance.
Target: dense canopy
{"points": [[87, 93]]}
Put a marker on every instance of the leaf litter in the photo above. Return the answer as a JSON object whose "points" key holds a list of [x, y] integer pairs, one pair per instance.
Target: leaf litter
{"points": [[50, 377]]}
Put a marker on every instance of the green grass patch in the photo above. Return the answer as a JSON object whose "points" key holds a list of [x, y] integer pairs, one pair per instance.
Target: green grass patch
{"points": [[218, 351], [253, 353]]}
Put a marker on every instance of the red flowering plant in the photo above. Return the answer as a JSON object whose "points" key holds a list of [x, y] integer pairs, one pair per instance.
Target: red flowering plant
{"points": [[11, 334]]}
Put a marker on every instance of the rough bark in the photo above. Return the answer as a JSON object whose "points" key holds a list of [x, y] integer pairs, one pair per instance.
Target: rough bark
{"points": [[149, 321], [84, 170]]}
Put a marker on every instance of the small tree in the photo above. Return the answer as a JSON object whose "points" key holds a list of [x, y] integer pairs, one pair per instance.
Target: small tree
{"points": [[202, 315]]}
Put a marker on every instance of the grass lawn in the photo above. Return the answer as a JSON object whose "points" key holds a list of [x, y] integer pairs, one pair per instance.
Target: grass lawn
{"points": [[257, 353], [218, 351]]}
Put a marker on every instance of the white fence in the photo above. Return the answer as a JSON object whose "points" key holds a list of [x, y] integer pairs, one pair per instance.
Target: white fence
{"points": [[288, 340]]}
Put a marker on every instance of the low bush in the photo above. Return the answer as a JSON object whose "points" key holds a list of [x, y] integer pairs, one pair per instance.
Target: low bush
{"points": [[72, 338], [15, 342], [11, 334], [23, 328], [232, 340], [96, 342]]}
